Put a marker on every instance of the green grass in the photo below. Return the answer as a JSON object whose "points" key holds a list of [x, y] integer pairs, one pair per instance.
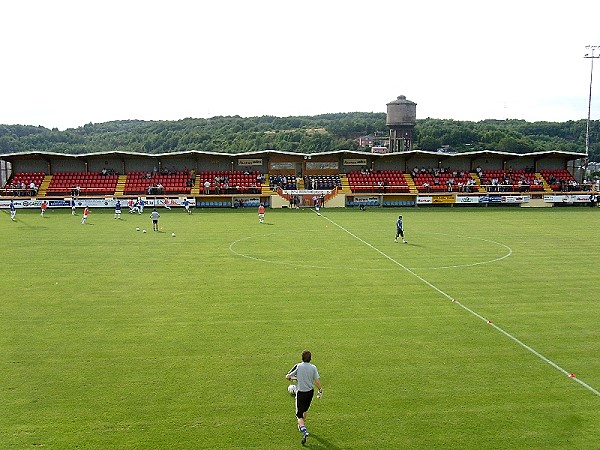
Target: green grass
{"points": [[115, 339]]}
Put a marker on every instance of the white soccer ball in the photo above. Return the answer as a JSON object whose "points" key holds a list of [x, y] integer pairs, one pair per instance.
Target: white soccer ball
{"points": [[173, 234], [144, 231], [137, 229], [292, 389]]}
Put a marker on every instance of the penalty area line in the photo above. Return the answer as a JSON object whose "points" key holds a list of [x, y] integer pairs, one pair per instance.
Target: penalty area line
{"points": [[469, 310]]}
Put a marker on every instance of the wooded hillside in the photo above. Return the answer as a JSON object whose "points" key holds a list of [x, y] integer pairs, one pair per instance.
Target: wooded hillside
{"points": [[304, 134]]}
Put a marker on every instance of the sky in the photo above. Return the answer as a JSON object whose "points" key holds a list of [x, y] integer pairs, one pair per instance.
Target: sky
{"points": [[67, 63]]}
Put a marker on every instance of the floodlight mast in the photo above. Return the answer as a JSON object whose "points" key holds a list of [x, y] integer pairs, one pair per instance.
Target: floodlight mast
{"points": [[591, 54]]}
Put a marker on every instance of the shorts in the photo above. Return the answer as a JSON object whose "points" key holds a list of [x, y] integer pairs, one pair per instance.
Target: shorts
{"points": [[155, 221], [303, 401]]}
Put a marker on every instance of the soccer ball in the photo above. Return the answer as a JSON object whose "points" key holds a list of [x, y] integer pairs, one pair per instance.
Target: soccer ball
{"points": [[137, 229], [292, 389], [144, 231], [173, 234]]}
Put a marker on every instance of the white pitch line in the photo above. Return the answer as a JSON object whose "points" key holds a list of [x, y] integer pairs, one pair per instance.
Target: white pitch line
{"points": [[435, 288]]}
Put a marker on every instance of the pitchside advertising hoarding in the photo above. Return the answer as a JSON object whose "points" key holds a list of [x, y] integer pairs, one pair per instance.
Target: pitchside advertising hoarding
{"points": [[306, 191], [567, 198], [442, 199], [471, 199], [504, 199], [464, 199], [96, 202], [368, 200]]}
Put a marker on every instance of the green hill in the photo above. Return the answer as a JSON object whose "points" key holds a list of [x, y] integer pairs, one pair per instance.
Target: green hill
{"points": [[302, 134]]}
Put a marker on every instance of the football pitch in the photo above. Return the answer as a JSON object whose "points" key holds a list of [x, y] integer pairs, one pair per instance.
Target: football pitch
{"points": [[480, 333]]}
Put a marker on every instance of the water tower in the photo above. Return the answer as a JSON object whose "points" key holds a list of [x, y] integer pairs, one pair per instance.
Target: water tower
{"points": [[401, 120]]}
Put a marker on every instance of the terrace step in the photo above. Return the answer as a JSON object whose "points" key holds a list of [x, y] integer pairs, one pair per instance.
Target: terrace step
{"points": [[345, 184], [197, 186], [44, 186], [266, 187], [480, 188], [412, 188], [120, 185], [547, 187]]}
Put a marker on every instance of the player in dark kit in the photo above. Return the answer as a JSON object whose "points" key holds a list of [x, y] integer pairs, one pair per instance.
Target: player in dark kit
{"points": [[400, 230]]}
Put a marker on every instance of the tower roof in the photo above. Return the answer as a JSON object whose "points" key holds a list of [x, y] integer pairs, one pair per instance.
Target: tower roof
{"points": [[401, 100]]}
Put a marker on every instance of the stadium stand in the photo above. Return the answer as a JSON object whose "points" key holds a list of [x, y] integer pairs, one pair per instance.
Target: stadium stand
{"points": [[560, 180], [446, 181], [230, 182], [322, 182], [82, 183], [383, 181], [23, 183], [282, 181], [151, 183], [510, 180]]}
